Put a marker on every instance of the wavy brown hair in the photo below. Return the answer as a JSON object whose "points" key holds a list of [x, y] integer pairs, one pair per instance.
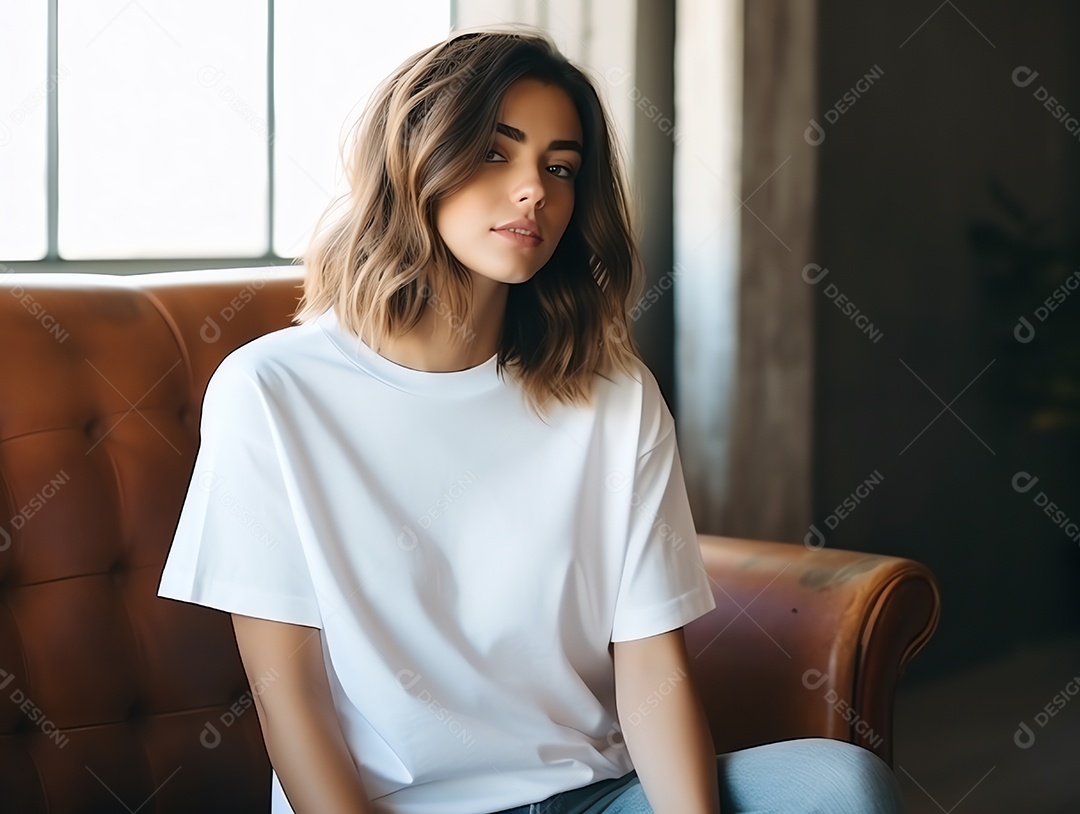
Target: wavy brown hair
{"points": [[425, 130]]}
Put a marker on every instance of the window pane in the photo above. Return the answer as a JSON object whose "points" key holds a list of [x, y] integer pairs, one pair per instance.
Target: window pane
{"points": [[329, 55], [23, 88], [162, 129]]}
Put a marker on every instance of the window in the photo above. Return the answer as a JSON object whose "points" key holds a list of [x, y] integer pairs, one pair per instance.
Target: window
{"points": [[178, 129]]}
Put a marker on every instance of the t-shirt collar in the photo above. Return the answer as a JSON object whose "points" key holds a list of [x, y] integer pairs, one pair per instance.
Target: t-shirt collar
{"points": [[455, 383]]}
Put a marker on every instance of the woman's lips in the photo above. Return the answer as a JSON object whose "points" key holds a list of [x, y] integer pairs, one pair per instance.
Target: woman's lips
{"points": [[525, 241]]}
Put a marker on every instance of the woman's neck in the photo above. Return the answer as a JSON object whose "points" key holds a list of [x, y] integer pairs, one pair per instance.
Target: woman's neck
{"points": [[442, 343]]}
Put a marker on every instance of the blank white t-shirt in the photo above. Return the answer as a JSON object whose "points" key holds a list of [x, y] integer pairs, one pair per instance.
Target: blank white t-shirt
{"points": [[467, 562]]}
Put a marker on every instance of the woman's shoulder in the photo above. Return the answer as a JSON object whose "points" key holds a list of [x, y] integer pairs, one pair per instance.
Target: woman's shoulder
{"points": [[637, 394], [268, 358], [639, 382]]}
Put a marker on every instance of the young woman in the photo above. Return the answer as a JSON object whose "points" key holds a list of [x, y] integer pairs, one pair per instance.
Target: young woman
{"points": [[446, 510]]}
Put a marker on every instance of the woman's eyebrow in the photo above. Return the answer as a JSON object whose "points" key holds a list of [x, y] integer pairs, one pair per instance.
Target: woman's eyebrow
{"points": [[518, 135]]}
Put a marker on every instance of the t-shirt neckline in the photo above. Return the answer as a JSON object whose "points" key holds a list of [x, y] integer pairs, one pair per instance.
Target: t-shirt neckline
{"points": [[454, 383]]}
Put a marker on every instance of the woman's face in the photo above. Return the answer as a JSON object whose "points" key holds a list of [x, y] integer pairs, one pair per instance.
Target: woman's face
{"points": [[528, 175]]}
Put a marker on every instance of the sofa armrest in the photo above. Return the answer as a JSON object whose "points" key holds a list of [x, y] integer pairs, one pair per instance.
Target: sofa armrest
{"points": [[807, 642]]}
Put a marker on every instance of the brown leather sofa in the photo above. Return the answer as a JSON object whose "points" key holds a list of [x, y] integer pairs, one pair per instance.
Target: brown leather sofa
{"points": [[115, 700]]}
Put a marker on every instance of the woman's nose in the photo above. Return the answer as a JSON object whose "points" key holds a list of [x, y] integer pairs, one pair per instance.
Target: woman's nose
{"points": [[530, 188]]}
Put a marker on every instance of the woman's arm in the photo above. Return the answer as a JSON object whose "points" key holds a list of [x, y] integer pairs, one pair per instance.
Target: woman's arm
{"points": [[300, 726], [664, 725]]}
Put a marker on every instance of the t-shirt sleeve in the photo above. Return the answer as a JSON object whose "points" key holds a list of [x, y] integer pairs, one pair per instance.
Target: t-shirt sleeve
{"points": [[236, 546], [664, 582]]}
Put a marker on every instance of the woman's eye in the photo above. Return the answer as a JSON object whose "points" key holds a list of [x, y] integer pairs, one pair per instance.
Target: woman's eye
{"points": [[563, 171]]}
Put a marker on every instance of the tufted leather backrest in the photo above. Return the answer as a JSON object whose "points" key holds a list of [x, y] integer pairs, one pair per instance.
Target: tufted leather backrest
{"points": [[111, 698]]}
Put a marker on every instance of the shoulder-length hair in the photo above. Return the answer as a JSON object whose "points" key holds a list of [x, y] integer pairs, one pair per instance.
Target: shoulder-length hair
{"points": [[425, 130]]}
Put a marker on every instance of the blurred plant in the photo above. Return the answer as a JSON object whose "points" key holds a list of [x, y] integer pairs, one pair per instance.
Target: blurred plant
{"points": [[1020, 268]]}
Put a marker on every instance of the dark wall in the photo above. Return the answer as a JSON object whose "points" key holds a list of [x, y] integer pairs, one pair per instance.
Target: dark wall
{"points": [[929, 186]]}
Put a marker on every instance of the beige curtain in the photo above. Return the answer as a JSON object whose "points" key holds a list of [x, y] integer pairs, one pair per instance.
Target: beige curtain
{"points": [[745, 335]]}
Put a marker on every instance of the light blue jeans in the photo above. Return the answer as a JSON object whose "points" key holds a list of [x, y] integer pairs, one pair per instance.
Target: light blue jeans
{"points": [[801, 776]]}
